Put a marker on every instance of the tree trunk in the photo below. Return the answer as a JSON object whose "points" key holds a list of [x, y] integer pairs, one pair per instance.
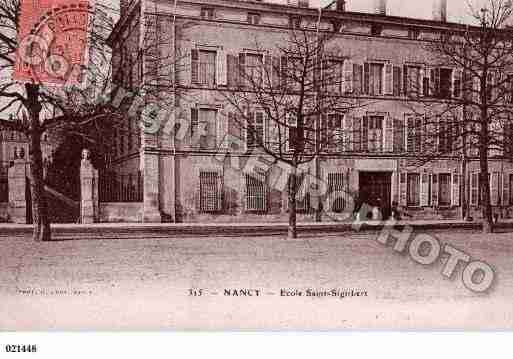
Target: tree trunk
{"points": [[292, 189], [39, 204], [484, 182]]}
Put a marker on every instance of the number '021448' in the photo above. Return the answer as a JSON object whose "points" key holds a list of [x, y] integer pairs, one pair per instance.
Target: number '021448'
{"points": [[15, 348]]}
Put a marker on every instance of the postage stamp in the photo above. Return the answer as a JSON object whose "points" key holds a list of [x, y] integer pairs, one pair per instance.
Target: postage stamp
{"points": [[53, 41]]}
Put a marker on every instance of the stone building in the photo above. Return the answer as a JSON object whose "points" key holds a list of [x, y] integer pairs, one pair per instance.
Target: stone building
{"points": [[184, 182]]}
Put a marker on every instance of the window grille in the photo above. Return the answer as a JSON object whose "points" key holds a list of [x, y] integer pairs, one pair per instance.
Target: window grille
{"points": [[210, 192], [256, 192], [335, 190]]}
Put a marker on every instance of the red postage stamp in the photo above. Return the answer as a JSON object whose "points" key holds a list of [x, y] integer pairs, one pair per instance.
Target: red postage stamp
{"points": [[53, 41]]}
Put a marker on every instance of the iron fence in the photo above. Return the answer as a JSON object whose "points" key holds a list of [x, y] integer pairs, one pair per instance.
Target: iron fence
{"points": [[4, 181], [114, 187]]}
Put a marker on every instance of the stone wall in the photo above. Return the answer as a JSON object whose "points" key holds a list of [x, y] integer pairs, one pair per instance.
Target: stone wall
{"points": [[120, 212]]}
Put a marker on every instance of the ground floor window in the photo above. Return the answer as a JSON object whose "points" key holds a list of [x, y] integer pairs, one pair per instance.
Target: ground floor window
{"points": [[210, 192], [511, 189], [256, 192], [444, 189], [413, 190], [335, 192]]}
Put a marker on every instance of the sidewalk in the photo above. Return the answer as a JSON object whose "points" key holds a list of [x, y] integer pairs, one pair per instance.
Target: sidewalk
{"points": [[122, 230]]}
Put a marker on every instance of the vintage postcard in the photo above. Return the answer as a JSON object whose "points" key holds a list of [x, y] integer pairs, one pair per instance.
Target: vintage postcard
{"points": [[256, 165]]}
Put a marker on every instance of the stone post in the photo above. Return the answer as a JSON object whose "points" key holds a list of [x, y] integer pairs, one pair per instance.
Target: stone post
{"points": [[89, 190], [17, 189], [150, 168]]}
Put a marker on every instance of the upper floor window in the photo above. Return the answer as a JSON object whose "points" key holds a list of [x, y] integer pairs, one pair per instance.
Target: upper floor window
{"points": [[332, 132], [207, 13], [256, 129], [203, 67], [373, 133], [254, 18], [413, 80], [204, 128], [414, 34], [373, 78], [295, 22], [442, 79], [413, 134], [253, 65]]}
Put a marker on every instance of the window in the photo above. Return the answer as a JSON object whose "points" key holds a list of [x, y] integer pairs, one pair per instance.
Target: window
{"points": [[203, 67], [333, 76], [413, 134], [373, 78], [445, 136], [210, 192], [510, 188], [206, 120], [442, 82], [376, 29], [296, 138], [253, 18], [302, 193], [331, 138], [372, 133], [256, 192], [397, 78], [413, 80], [253, 65], [295, 22], [207, 13], [444, 189], [414, 34], [413, 190], [474, 189], [335, 192], [256, 129]]}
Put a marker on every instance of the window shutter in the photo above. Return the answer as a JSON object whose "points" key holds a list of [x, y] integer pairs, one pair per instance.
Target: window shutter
{"points": [[347, 132], [435, 81], [242, 69], [276, 72], [222, 63], [398, 136], [389, 77], [506, 183], [456, 179], [494, 189], [388, 134], [424, 190], [357, 134], [268, 71], [357, 78], [434, 189], [365, 134], [397, 80], [348, 79], [405, 81], [457, 78], [194, 66], [403, 189], [284, 71], [194, 121], [474, 189], [366, 78], [220, 188]]}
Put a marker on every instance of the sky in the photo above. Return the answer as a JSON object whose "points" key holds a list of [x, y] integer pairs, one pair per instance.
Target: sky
{"points": [[423, 9]]}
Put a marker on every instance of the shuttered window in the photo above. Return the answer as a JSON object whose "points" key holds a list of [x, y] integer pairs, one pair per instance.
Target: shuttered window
{"points": [[413, 80], [210, 192], [332, 138], [256, 129], [474, 189], [413, 134], [444, 189], [256, 192], [413, 190], [335, 192], [373, 79], [203, 67]]}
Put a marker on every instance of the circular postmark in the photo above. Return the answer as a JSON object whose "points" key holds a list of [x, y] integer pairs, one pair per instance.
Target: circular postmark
{"points": [[55, 49]]}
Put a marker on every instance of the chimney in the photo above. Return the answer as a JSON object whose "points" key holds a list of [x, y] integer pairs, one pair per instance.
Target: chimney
{"points": [[440, 10], [380, 7], [341, 5]]}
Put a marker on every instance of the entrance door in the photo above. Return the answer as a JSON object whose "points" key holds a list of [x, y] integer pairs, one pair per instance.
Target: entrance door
{"points": [[376, 190]]}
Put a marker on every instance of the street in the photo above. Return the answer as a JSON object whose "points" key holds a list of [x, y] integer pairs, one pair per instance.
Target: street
{"points": [[247, 283]]}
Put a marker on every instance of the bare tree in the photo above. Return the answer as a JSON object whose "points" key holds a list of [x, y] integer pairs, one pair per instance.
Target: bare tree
{"points": [[467, 93], [113, 88], [301, 91]]}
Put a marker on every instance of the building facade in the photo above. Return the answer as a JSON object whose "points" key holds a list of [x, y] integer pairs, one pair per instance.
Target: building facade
{"points": [[202, 44]]}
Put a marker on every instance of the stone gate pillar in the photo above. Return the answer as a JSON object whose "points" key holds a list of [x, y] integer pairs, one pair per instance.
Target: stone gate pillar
{"points": [[17, 189], [150, 169], [89, 190]]}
